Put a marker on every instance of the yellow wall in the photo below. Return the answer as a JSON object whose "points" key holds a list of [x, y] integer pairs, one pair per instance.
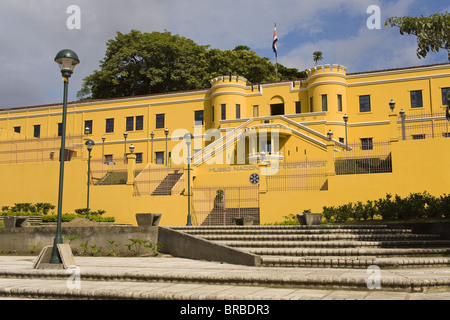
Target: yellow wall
{"points": [[29, 175]]}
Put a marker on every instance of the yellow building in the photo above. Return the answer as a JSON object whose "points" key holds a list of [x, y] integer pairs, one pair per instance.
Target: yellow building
{"points": [[263, 150]]}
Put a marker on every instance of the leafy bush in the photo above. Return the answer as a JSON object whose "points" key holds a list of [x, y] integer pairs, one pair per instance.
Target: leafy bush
{"points": [[290, 219], [64, 217], [83, 212], [20, 214], [26, 207], [415, 206]]}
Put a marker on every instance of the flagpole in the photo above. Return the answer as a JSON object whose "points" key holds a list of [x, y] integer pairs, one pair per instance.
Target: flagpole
{"points": [[276, 68], [275, 50]]}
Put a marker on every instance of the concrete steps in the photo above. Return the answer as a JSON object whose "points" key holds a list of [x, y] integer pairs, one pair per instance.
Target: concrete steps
{"points": [[165, 187], [346, 246]]}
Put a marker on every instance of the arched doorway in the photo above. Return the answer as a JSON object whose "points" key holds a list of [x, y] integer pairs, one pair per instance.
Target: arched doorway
{"points": [[277, 106]]}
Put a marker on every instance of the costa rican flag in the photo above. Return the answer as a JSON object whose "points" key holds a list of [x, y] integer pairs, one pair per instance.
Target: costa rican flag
{"points": [[275, 41]]}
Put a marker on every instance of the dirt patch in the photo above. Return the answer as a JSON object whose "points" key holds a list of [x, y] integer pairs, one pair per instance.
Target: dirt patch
{"points": [[81, 222]]}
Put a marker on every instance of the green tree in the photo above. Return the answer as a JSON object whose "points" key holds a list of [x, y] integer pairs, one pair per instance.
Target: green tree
{"points": [[144, 63], [317, 56], [433, 32]]}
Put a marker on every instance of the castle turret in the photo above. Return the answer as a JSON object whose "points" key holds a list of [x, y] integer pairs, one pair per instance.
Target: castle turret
{"points": [[228, 98], [327, 87]]}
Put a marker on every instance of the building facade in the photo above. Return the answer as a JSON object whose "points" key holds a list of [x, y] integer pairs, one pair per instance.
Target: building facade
{"points": [[263, 150]]}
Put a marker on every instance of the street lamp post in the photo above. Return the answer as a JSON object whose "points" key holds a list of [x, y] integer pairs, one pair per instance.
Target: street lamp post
{"points": [[125, 134], [166, 131], [152, 135], [67, 60], [89, 145], [188, 137], [346, 136]]}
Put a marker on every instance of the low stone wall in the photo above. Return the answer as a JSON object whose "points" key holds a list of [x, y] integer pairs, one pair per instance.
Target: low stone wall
{"points": [[183, 245], [101, 241]]}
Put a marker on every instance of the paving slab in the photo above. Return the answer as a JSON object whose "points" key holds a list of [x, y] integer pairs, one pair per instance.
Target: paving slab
{"points": [[168, 278]]}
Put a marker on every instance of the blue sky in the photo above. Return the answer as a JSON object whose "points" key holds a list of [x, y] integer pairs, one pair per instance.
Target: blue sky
{"points": [[33, 31]]}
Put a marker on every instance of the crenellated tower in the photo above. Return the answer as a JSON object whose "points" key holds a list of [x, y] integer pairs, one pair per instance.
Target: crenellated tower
{"points": [[228, 91], [330, 81]]}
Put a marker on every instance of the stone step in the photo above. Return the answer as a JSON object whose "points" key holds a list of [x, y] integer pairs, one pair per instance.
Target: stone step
{"points": [[353, 262], [338, 244], [280, 227], [331, 246], [295, 231], [320, 237], [379, 252]]}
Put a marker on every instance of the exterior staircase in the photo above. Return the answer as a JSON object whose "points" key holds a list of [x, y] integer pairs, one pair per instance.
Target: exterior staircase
{"points": [[165, 187], [328, 246], [226, 216]]}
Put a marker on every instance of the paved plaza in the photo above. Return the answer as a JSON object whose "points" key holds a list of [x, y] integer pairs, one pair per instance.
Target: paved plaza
{"points": [[170, 278]]}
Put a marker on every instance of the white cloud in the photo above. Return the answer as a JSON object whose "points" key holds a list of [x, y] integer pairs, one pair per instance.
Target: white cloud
{"points": [[34, 31]]}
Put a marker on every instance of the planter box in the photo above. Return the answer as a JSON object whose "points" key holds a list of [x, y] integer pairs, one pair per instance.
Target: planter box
{"points": [[309, 219], [148, 219], [243, 221], [15, 221]]}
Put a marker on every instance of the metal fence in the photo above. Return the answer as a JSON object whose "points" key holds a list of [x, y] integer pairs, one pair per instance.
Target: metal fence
{"points": [[39, 149], [418, 126], [292, 176], [363, 158], [154, 181], [221, 205], [108, 173]]}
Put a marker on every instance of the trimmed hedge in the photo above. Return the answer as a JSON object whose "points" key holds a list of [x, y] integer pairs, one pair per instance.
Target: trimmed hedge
{"points": [[67, 217], [42, 209], [415, 206]]}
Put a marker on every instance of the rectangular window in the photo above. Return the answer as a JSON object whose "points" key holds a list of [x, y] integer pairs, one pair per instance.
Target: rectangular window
{"points": [[212, 115], [238, 111], [109, 125], [139, 157], [416, 99], [129, 124], [139, 122], [311, 104], [367, 144], [160, 121], [17, 129], [59, 129], [324, 102], [364, 104], [37, 131], [255, 111], [418, 136], [298, 107], [444, 95], [88, 127], [339, 101], [223, 112], [198, 118], [159, 157], [109, 159]]}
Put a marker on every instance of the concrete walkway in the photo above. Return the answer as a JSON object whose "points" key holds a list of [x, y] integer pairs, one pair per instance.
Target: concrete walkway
{"points": [[170, 278]]}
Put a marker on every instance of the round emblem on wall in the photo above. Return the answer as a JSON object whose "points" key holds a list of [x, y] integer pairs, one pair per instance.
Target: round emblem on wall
{"points": [[254, 178]]}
